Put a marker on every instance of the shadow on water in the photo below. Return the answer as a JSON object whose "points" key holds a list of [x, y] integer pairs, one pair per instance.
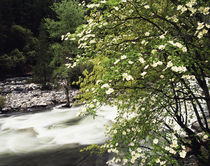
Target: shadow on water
{"points": [[63, 156]]}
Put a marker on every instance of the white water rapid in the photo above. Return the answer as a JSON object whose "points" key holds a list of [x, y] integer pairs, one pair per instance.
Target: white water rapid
{"points": [[51, 129]]}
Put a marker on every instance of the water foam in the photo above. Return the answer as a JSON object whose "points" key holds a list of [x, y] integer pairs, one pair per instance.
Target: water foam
{"points": [[44, 130]]}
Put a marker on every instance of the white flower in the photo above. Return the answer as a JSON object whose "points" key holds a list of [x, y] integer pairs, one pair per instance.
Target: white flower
{"points": [[98, 81], [68, 65], [116, 8], [133, 153], [167, 148], [147, 34], [74, 64], [175, 69], [175, 19], [204, 31], [123, 57], [207, 26], [116, 61], [179, 45], [92, 41], [91, 105], [62, 37], [188, 76], [130, 62], [143, 74], [117, 160], [200, 25], [105, 86], [162, 162], [141, 60], [154, 65], [104, 1], [146, 7], [204, 10], [157, 160], [159, 62], [174, 143], [125, 161], [184, 49], [127, 77], [183, 9], [161, 76], [205, 137], [171, 42], [139, 150], [190, 4], [109, 91], [137, 155], [172, 151], [200, 35], [193, 10], [182, 154], [93, 5], [124, 133], [133, 160], [179, 7], [154, 51], [162, 36], [146, 67], [155, 141], [183, 147], [132, 144], [161, 47], [143, 41], [169, 64], [179, 69]]}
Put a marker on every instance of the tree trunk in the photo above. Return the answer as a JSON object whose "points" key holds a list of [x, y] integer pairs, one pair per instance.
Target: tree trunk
{"points": [[67, 95]]}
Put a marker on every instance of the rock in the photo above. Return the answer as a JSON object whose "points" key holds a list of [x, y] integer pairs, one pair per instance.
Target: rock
{"points": [[23, 96], [17, 79], [7, 90]]}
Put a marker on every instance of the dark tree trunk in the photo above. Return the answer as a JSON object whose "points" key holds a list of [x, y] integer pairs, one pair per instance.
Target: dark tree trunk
{"points": [[67, 96]]}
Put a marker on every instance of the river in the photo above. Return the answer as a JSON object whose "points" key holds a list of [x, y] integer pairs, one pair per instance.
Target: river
{"points": [[53, 138]]}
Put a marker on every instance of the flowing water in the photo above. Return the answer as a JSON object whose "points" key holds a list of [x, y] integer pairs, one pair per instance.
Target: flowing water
{"points": [[53, 138]]}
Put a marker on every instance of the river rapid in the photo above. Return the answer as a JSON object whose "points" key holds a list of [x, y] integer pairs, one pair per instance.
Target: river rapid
{"points": [[53, 138]]}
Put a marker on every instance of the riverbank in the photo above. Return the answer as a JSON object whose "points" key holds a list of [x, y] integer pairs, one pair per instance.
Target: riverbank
{"points": [[23, 96]]}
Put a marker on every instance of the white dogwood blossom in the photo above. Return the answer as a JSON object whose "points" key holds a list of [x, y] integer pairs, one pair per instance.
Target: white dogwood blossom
{"points": [[127, 77], [109, 91], [105, 86], [183, 154]]}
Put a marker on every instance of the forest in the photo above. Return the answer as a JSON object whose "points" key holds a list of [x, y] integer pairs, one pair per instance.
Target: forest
{"points": [[30, 37]]}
